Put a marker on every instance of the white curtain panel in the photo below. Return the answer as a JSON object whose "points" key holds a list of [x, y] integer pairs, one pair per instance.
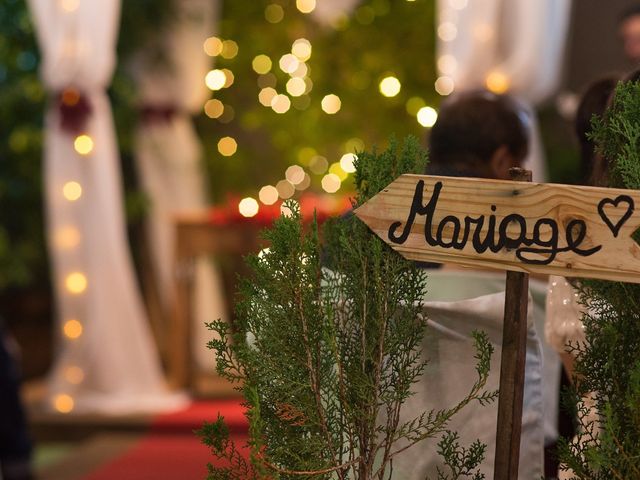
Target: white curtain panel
{"points": [[107, 361], [521, 41], [169, 155]]}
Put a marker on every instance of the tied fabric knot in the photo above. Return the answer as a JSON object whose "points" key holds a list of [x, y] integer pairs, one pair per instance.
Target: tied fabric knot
{"points": [[74, 108], [157, 114]]}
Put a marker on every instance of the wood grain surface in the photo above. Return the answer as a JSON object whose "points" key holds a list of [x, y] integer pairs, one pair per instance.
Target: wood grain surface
{"points": [[608, 217]]}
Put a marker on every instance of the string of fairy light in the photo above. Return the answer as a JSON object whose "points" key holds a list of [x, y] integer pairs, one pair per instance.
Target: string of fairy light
{"points": [[296, 94]]}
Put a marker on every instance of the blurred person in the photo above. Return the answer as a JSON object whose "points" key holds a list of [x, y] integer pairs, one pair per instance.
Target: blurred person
{"points": [[15, 444], [629, 28], [477, 134]]}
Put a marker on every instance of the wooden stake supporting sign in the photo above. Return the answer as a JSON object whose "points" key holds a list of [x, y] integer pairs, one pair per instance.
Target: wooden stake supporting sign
{"points": [[517, 226]]}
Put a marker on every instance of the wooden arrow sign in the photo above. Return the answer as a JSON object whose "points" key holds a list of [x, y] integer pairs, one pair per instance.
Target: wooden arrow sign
{"points": [[528, 227]]}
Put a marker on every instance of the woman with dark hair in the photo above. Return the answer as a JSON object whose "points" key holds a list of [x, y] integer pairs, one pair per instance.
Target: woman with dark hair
{"points": [[478, 134]]}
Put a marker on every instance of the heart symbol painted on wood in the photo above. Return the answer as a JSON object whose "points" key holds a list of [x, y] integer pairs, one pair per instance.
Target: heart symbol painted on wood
{"points": [[626, 201]]}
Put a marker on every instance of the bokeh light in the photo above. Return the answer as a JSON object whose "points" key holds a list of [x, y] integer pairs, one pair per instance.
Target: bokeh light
{"points": [[301, 48], [497, 82], [444, 85], [72, 329], [248, 207], [268, 195], [447, 64], [294, 174], [215, 79], [296, 86], [227, 146], [347, 162], [305, 183], [213, 46], [288, 63], [427, 116], [390, 86], [306, 6], [63, 403], [229, 49], [280, 103], [266, 95], [331, 104], [72, 191], [213, 108], [285, 189], [447, 31], [83, 144], [274, 13], [331, 183], [261, 64], [76, 283]]}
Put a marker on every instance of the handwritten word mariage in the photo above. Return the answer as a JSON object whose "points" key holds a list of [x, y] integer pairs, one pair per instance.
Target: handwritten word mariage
{"points": [[539, 245]]}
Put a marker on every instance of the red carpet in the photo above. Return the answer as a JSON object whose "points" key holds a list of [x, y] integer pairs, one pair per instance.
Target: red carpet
{"points": [[171, 450]]}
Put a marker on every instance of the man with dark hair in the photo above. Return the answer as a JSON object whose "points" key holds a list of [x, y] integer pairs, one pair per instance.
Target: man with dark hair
{"points": [[478, 134], [630, 33]]}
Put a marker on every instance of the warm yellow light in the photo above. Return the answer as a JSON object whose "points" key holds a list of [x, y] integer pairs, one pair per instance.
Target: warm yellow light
{"points": [[447, 64], [390, 86], [294, 174], [274, 13], [215, 79], [261, 64], [76, 283], [66, 238], [296, 86], [227, 146], [306, 6], [74, 375], [414, 104], [444, 85], [285, 189], [447, 31], [337, 170], [63, 403], [427, 116], [213, 108], [288, 63], [331, 183], [83, 144], [354, 144], [248, 207], [268, 195], [497, 82], [266, 95], [229, 49], [72, 191], [347, 162], [301, 71], [301, 48], [229, 77], [69, 5], [72, 329], [280, 103], [305, 183], [331, 104], [213, 46]]}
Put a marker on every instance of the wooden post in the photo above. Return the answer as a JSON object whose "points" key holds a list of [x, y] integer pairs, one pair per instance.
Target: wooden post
{"points": [[514, 344]]}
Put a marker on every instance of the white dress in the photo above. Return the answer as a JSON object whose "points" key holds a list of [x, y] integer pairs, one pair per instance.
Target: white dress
{"points": [[467, 302]]}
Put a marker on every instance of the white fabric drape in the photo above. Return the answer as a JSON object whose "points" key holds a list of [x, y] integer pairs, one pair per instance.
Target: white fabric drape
{"points": [[168, 155], [519, 41], [107, 361]]}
